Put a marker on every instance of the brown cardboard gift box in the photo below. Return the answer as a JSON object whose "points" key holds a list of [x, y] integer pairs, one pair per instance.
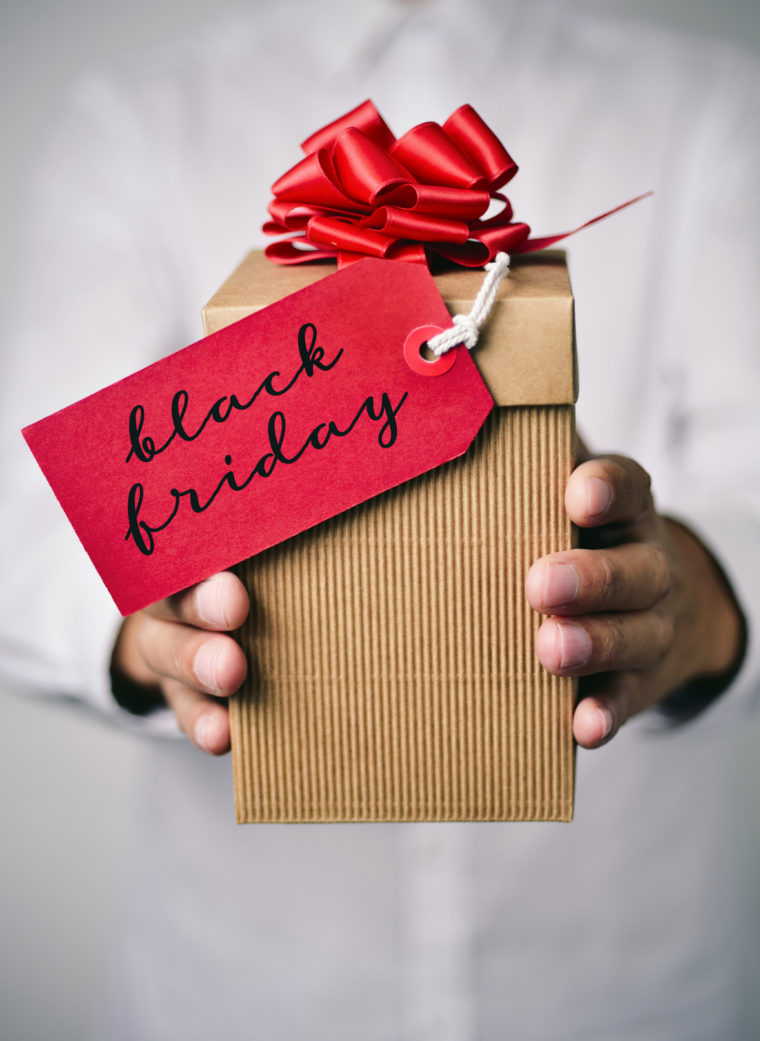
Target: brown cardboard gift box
{"points": [[392, 666]]}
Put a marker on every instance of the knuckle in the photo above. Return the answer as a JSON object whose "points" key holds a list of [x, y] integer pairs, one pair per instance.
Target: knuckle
{"points": [[177, 660], [656, 638], [608, 579], [666, 633], [182, 658], [662, 573], [611, 642]]}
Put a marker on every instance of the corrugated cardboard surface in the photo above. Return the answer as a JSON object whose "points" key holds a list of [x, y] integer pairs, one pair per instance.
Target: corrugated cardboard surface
{"points": [[393, 673]]}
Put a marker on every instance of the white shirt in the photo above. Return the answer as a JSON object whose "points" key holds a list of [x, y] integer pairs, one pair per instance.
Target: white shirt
{"points": [[635, 922]]}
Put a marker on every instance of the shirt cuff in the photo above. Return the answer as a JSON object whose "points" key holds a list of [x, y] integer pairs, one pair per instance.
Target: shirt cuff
{"points": [[159, 723]]}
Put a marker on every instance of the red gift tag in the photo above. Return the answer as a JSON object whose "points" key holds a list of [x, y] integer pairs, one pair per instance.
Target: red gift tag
{"points": [[288, 417]]}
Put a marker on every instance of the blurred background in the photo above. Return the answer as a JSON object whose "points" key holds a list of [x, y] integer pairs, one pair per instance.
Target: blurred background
{"points": [[65, 777]]}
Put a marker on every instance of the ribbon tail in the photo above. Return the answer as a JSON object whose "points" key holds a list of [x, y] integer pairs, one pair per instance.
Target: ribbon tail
{"points": [[533, 245], [288, 251]]}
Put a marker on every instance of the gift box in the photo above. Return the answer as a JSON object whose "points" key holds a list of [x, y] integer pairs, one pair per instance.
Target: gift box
{"points": [[392, 670]]}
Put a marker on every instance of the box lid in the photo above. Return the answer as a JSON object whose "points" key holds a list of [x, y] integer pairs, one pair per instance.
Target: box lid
{"points": [[526, 352]]}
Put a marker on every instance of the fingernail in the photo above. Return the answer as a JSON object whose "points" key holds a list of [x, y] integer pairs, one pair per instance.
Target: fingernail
{"points": [[574, 645], [607, 722], [205, 665], [203, 732], [208, 599], [598, 496], [560, 585]]}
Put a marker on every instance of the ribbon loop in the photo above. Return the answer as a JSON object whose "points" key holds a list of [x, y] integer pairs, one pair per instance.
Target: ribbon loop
{"points": [[431, 155], [313, 182], [476, 139], [364, 169], [364, 117]]}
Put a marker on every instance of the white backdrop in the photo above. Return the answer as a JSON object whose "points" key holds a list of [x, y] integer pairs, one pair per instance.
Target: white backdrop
{"points": [[64, 777]]}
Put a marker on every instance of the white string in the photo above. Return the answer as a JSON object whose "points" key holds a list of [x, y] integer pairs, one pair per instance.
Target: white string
{"points": [[467, 326]]}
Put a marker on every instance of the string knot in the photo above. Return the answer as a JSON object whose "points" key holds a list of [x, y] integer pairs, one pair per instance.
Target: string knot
{"points": [[466, 327], [468, 330]]}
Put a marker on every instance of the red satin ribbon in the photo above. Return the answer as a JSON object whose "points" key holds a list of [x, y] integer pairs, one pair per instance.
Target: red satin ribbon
{"points": [[362, 192]]}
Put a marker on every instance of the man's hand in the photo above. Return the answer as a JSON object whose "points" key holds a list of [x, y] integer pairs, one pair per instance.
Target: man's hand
{"points": [[642, 613], [638, 616], [177, 651]]}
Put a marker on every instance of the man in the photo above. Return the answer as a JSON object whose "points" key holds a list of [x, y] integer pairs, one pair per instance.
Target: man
{"points": [[609, 927]]}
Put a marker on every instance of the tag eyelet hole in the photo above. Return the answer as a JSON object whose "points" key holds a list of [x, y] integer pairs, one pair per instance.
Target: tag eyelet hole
{"points": [[416, 343]]}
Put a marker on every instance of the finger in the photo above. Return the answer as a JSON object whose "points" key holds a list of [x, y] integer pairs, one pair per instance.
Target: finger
{"points": [[593, 723], [220, 603], [614, 699], [607, 490], [205, 721], [630, 577], [211, 663], [604, 643]]}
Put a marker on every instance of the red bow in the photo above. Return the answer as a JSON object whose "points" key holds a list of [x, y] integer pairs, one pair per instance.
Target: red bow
{"points": [[362, 192]]}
